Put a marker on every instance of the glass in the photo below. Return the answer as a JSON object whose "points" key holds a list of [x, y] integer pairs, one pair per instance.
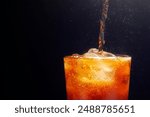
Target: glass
{"points": [[97, 78]]}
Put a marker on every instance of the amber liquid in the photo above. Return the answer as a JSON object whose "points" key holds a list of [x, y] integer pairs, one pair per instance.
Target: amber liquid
{"points": [[105, 78]]}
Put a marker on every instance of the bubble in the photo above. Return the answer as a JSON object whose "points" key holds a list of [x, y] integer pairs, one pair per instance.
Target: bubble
{"points": [[76, 55]]}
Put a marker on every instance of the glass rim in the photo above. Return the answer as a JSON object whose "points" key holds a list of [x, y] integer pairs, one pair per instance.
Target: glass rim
{"points": [[103, 57]]}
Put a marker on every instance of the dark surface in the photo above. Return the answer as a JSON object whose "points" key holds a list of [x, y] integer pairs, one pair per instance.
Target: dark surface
{"points": [[40, 33]]}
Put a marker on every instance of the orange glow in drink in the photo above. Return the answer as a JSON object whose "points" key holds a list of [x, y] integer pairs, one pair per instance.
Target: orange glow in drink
{"points": [[97, 77]]}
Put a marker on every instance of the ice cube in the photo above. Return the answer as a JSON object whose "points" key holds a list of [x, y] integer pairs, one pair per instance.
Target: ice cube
{"points": [[107, 54], [98, 53], [90, 55], [106, 73], [93, 50]]}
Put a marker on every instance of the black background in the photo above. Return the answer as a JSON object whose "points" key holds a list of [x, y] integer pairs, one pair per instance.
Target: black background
{"points": [[39, 33]]}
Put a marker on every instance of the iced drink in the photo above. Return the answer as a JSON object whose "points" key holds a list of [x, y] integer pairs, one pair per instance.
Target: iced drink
{"points": [[97, 76]]}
